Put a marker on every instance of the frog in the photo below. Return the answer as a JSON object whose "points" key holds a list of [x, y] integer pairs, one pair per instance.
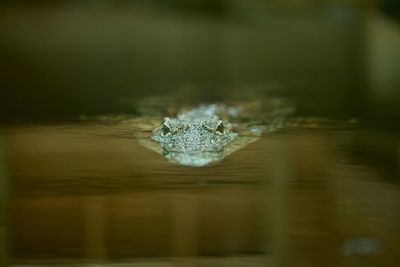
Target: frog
{"points": [[204, 134], [196, 137], [208, 133]]}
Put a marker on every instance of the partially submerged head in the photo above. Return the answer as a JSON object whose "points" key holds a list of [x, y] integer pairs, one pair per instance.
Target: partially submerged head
{"points": [[194, 140]]}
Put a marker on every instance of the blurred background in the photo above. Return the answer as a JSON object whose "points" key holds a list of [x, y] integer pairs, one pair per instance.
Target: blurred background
{"points": [[75, 194], [340, 58]]}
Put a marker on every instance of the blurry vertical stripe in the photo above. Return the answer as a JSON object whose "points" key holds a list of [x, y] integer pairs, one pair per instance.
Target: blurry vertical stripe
{"points": [[3, 203]]}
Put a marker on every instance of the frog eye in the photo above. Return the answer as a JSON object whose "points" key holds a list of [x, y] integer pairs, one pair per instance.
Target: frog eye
{"points": [[165, 130], [220, 128]]}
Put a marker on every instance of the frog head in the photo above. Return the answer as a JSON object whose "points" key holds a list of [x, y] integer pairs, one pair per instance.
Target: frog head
{"points": [[195, 141]]}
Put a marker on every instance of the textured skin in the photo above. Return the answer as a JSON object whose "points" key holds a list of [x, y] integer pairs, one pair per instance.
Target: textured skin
{"points": [[196, 137]]}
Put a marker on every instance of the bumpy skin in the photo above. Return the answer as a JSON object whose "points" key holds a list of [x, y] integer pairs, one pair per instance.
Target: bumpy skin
{"points": [[196, 137]]}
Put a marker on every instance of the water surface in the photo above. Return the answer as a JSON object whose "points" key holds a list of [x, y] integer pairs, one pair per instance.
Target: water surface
{"points": [[324, 195]]}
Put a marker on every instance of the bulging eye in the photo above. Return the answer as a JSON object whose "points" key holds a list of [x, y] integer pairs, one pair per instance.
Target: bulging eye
{"points": [[216, 127], [165, 130], [220, 128]]}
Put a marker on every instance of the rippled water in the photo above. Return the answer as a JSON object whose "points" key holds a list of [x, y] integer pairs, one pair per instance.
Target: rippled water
{"points": [[323, 195]]}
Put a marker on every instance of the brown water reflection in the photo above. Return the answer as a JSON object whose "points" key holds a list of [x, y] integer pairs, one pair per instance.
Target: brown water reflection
{"points": [[86, 193]]}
